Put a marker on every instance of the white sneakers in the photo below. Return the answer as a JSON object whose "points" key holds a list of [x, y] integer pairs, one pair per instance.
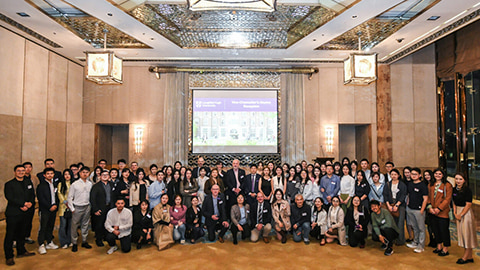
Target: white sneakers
{"points": [[65, 246], [51, 245], [418, 250], [182, 241], [42, 250], [412, 245], [112, 249]]}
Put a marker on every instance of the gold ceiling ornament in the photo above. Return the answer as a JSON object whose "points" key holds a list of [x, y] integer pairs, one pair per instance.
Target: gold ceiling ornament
{"points": [[104, 67], [250, 5], [360, 68]]}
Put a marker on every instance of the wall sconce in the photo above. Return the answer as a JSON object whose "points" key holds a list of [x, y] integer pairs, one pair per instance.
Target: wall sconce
{"points": [[329, 139], [138, 140]]}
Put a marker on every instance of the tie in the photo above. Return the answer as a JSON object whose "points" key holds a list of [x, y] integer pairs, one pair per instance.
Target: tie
{"points": [[260, 214], [253, 183]]}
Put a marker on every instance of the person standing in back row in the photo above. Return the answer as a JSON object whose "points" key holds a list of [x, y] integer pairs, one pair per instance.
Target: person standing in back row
{"points": [[417, 202]]}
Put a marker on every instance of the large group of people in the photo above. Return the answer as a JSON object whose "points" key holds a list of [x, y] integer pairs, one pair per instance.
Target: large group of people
{"points": [[342, 202]]}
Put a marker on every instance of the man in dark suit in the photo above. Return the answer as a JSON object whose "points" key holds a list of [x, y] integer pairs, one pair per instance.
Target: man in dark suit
{"points": [[260, 218], [28, 181], [201, 164], [215, 214], [47, 206], [233, 181], [250, 185], [50, 163], [17, 195], [101, 200]]}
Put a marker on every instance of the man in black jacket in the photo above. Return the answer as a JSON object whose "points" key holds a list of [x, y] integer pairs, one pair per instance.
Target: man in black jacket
{"points": [[101, 201], [250, 185], [300, 219], [50, 163], [48, 206], [233, 181], [215, 214], [16, 193], [261, 219], [201, 164], [28, 181]]}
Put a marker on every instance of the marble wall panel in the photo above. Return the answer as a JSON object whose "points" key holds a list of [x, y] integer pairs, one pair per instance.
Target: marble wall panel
{"points": [[426, 148], [88, 143], [104, 107], [141, 84], [36, 82], [88, 112], [364, 102], [402, 90], [346, 100], [74, 93], [11, 149], [12, 59], [403, 144], [424, 81], [73, 143], [34, 137], [57, 88], [312, 119], [56, 142]]}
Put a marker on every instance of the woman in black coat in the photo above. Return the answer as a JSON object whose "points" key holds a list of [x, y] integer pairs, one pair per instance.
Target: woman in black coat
{"points": [[194, 221], [357, 220], [142, 225]]}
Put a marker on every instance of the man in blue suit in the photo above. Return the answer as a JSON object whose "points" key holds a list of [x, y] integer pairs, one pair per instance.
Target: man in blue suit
{"points": [[250, 185]]}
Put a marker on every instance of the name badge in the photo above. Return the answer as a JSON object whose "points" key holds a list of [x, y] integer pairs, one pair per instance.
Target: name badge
{"points": [[294, 182], [176, 210], [248, 211], [220, 202], [265, 211], [416, 189], [360, 214], [440, 190], [242, 176], [149, 216], [165, 210], [55, 190], [333, 183], [383, 221], [304, 214], [29, 186]]}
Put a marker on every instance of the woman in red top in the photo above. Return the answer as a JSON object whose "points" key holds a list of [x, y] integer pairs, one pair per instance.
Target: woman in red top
{"points": [[177, 219]]}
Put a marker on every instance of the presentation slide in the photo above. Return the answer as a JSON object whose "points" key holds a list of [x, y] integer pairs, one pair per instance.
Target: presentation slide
{"points": [[234, 121]]}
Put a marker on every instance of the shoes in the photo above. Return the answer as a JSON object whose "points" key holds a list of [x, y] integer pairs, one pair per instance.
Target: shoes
{"points": [[436, 251], [51, 245], [26, 254], [71, 245], [42, 250], [408, 240], [12, 262], [65, 246], [362, 246], [192, 241], [235, 241], [220, 239], [14, 244], [284, 237], [384, 246], [74, 248], [418, 250], [443, 253], [139, 246], [462, 261], [112, 249], [29, 240], [182, 241], [412, 245], [99, 243], [306, 241], [86, 245], [266, 240], [388, 251]]}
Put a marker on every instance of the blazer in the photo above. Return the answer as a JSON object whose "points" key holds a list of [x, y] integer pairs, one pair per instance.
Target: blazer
{"points": [[247, 187], [231, 183], [236, 215], [401, 195], [266, 213], [98, 198], [44, 197], [442, 200], [173, 189], [190, 217], [208, 210], [363, 219], [55, 180]]}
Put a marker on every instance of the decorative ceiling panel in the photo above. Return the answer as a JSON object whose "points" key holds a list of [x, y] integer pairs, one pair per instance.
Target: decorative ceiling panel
{"points": [[236, 29], [85, 26], [375, 30]]}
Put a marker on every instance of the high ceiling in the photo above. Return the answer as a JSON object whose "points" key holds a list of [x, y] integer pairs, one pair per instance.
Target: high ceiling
{"points": [[297, 32]]}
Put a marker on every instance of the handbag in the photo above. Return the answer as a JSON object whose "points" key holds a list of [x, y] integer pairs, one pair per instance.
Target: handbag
{"points": [[67, 214]]}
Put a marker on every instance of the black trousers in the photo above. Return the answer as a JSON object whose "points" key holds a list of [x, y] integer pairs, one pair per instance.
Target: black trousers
{"points": [[441, 230], [138, 234], [246, 231], [28, 221], [390, 234], [212, 227], [316, 233], [47, 222], [356, 237], [98, 223], [15, 232], [195, 232], [125, 242]]}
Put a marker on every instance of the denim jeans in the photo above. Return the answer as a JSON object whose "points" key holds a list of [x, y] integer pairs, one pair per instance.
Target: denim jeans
{"points": [[64, 231], [179, 232], [302, 232]]}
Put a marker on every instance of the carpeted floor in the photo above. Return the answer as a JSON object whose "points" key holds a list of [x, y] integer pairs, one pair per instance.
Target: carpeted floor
{"points": [[245, 255]]}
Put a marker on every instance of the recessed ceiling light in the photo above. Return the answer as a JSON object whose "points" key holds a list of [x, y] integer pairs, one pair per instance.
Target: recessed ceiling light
{"points": [[354, 16], [433, 18], [110, 14], [23, 14]]}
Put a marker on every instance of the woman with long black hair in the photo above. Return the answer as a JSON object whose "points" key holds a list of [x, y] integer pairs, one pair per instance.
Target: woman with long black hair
{"points": [[63, 211]]}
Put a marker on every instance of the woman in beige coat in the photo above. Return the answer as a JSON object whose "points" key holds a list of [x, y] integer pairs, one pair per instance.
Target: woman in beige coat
{"points": [[281, 215], [162, 229]]}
